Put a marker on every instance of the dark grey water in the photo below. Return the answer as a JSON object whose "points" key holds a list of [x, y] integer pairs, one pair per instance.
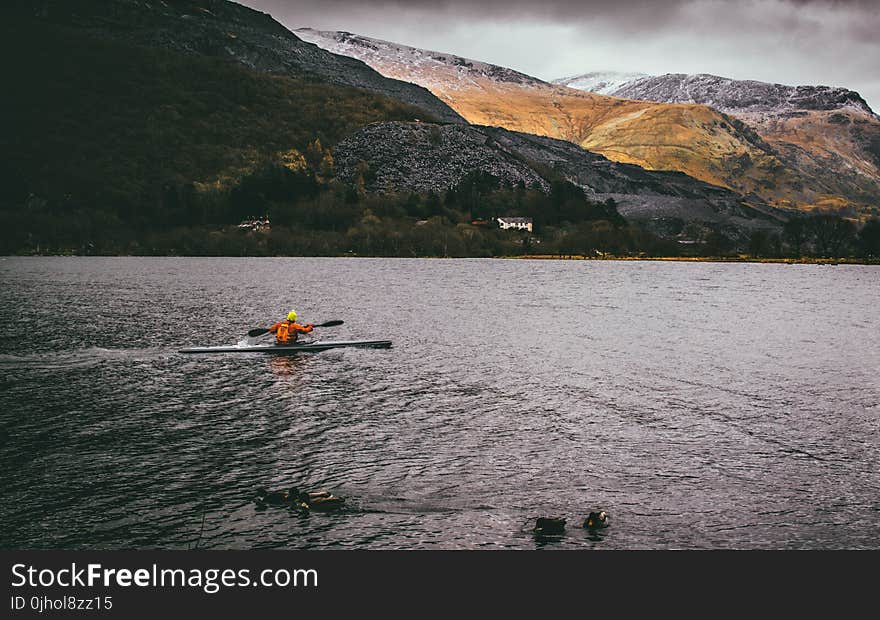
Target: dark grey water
{"points": [[704, 406]]}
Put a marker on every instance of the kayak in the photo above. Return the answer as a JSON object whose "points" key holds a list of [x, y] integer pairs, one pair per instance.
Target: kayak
{"points": [[286, 349]]}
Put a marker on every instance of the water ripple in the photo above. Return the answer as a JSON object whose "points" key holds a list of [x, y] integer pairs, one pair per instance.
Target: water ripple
{"points": [[701, 405]]}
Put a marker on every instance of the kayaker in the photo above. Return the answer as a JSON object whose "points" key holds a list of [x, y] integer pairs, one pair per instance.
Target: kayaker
{"points": [[288, 330]]}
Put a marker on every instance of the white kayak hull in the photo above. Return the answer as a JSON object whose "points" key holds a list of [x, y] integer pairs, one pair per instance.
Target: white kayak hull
{"points": [[284, 349]]}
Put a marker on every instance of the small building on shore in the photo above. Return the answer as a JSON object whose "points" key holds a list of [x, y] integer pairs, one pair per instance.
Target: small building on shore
{"points": [[259, 224], [519, 223]]}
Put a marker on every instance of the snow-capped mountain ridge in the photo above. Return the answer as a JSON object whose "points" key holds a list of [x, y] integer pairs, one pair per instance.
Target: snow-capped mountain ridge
{"points": [[730, 95], [413, 64], [599, 82]]}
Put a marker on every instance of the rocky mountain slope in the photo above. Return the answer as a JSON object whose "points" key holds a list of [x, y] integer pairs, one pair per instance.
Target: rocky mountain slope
{"points": [[227, 30], [424, 157], [695, 139], [828, 135]]}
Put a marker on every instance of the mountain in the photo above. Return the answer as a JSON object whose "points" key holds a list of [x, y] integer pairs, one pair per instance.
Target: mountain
{"points": [[829, 135], [693, 139], [599, 82], [229, 31], [113, 144], [184, 103], [740, 96], [823, 170], [141, 117], [139, 128]]}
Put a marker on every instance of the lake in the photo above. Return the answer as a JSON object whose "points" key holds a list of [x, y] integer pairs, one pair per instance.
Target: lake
{"points": [[702, 405]]}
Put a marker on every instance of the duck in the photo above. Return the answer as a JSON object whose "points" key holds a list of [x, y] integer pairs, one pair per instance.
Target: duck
{"points": [[317, 500], [549, 525], [275, 498], [596, 520]]}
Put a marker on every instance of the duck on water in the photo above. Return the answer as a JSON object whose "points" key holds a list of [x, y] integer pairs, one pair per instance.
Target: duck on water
{"points": [[555, 526], [322, 501]]}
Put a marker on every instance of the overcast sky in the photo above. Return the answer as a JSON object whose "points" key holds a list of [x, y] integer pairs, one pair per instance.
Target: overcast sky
{"points": [[829, 42]]}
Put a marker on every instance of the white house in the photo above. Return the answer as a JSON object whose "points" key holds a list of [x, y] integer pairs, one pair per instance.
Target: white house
{"points": [[255, 224], [520, 223]]}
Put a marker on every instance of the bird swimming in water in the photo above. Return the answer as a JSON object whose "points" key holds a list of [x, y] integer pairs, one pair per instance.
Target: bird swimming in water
{"points": [[596, 520], [322, 501], [275, 498], [549, 525]]}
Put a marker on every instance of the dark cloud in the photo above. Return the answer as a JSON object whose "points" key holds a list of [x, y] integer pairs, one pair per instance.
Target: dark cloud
{"points": [[857, 19], [552, 9], [628, 15], [643, 11]]}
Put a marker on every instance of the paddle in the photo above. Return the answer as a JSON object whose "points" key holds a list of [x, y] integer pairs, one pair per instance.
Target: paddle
{"points": [[260, 330]]}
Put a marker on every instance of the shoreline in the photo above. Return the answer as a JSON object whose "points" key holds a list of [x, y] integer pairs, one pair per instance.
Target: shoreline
{"points": [[710, 259], [565, 257]]}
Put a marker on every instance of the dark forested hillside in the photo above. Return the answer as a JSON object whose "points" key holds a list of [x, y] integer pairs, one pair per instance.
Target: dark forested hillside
{"points": [[101, 126]]}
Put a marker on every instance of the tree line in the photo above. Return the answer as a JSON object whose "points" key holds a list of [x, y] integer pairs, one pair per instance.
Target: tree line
{"points": [[314, 213], [311, 212], [821, 235]]}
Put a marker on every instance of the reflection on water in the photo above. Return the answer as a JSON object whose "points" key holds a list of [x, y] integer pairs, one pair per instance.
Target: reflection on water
{"points": [[289, 366], [701, 405]]}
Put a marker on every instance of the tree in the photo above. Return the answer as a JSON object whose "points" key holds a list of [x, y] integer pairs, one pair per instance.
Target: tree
{"points": [[471, 192], [760, 245], [794, 233], [869, 239], [832, 235], [314, 153], [360, 181], [717, 244], [325, 169]]}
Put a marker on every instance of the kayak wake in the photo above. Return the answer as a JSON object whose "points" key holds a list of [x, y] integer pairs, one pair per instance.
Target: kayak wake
{"points": [[79, 358]]}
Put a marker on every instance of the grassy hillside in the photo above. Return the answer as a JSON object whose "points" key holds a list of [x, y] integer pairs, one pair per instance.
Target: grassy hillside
{"points": [[803, 162], [693, 139], [838, 150]]}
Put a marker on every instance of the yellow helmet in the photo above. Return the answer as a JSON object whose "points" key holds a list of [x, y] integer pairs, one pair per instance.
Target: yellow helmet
{"points": [[291, 316]]}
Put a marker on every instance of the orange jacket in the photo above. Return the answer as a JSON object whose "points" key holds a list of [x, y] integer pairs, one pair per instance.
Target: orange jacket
{"points": [[287, 332]]}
